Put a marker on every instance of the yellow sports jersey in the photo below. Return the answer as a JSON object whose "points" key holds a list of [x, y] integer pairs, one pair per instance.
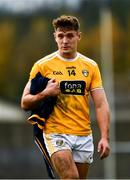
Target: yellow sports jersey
{"points": [[77, 77]]}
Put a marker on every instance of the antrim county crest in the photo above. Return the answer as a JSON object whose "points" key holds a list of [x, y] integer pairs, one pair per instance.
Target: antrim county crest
{"points": [[85, 72]]}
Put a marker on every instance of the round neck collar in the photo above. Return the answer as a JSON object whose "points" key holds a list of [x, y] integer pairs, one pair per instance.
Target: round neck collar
{"points": [[68, 59]]}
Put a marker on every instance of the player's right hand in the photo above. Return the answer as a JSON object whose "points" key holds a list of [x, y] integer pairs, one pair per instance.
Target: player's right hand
{"points": [[52, 88]]}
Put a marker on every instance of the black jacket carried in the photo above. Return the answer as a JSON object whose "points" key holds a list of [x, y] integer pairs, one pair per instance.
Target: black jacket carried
{"points": [[40, 114]]}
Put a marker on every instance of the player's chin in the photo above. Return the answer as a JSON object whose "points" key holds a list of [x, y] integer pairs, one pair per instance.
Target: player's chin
{"points": [[67, 51]]}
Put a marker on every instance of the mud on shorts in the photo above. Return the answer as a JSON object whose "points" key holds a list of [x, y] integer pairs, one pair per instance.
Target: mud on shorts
{"points": [[82, 147]]}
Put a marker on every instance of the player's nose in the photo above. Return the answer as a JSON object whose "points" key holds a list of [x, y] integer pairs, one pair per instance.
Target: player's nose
{"points": [[65, 40]]}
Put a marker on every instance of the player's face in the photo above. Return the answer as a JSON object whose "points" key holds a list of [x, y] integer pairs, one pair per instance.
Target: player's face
{"points": [[67, 41]]}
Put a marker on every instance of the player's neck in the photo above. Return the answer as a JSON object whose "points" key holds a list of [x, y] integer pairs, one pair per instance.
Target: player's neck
{"points": [[68, 55]]}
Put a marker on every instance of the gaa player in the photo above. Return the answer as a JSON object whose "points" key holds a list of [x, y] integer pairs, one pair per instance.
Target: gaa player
{"points": [[73, 76]]}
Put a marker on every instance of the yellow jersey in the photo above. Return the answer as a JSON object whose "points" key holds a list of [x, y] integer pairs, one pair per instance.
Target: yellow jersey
{"points": [[77, 77]]}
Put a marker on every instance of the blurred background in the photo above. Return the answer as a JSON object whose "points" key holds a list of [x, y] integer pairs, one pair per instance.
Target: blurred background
{"points": [[26, 35]]}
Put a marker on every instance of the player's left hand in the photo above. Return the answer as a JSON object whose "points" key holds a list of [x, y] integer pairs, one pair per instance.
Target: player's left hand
{"points": [[103, 148]]}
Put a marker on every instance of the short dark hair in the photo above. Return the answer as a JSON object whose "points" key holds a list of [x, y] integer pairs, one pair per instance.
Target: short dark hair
{"points": [[68, 22]]}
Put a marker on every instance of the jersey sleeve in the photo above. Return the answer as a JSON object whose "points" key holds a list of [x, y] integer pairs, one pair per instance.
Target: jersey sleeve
{"points": [[96, 79], [35, 69]]}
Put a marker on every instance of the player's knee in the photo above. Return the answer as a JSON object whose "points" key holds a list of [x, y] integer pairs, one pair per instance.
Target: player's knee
{"points": [[70, 175]]}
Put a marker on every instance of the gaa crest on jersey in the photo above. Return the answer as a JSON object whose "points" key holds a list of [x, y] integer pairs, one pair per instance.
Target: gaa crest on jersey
{"points": [[57, 73], [73, 87], [85, 72]]}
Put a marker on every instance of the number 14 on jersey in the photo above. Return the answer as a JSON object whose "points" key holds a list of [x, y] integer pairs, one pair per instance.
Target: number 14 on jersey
{"points": [[71, 72]]}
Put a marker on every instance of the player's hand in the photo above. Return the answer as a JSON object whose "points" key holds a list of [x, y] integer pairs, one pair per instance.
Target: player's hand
{"points": [[103, 148], [52, 88]]}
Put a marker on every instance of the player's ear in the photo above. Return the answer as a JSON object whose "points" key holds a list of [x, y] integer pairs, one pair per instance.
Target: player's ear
{"points": [[79, 36], [54, 34]]}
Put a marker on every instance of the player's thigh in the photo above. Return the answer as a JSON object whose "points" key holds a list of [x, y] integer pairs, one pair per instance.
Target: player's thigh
{"points": [[82, 170], [64, 163]]}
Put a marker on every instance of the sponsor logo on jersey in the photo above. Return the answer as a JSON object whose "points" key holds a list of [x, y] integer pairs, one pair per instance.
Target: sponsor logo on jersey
{"points": [[85, 72], [73, 87], [57, 73], [71, 67]]}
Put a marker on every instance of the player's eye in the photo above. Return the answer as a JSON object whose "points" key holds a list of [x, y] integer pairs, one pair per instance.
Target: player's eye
{"points": [[70, 35], [60, 36]]}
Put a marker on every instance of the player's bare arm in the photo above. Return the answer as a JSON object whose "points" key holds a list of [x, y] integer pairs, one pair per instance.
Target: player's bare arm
{"points": [[29, 101], [103, 119]]}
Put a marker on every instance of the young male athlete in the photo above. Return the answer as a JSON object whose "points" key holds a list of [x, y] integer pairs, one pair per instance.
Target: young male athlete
{"points": [[67, 133]]}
